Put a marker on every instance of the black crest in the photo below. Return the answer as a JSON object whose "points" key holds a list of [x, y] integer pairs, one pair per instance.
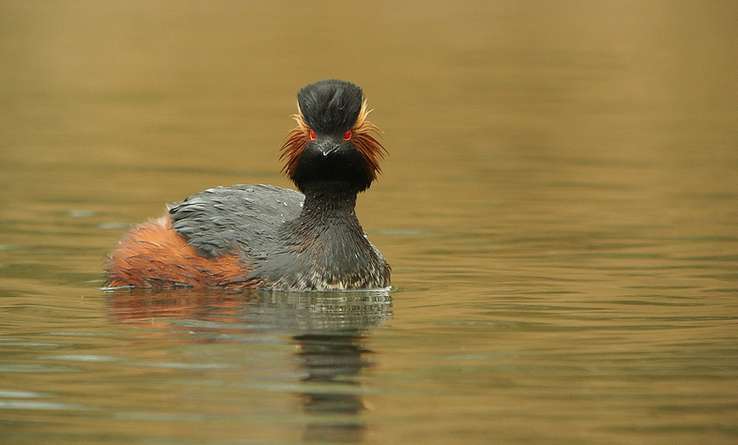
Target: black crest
{"points": [[330, 106]]}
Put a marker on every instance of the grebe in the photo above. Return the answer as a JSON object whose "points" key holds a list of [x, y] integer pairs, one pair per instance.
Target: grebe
{"points": [[262, 236]]}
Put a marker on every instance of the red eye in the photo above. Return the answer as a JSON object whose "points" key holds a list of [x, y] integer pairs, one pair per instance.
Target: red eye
{"points": [[347, 135], [313, 135]]}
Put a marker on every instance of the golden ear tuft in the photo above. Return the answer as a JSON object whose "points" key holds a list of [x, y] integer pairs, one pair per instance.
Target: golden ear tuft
{"points": [[366, 139], [295, 143]]}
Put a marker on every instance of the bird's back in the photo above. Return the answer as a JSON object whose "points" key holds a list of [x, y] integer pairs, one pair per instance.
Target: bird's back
{"points": [[241, 217], [207, 240]]}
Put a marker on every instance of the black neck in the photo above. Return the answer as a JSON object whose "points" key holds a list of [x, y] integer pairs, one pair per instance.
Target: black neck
{"points": [[328, 201], [328, 221], [325, 246]]}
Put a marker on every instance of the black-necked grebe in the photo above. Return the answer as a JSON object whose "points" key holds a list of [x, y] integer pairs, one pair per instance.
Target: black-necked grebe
{"points": [[249, 236]]}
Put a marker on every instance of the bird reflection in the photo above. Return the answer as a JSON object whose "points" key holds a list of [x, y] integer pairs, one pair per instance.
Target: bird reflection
{"points": [[333, 362], [330, 334], [330, 331]]}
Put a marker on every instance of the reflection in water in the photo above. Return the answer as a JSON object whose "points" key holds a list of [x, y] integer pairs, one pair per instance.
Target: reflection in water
{"points": [[333, 361], [329, 329]]}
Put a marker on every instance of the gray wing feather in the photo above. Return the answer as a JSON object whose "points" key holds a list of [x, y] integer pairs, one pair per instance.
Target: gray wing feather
{"points": [[241, 217]]}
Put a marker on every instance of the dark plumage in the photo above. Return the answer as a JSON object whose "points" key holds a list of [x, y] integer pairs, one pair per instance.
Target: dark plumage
{"points": [[330, 106], [272, 237]]}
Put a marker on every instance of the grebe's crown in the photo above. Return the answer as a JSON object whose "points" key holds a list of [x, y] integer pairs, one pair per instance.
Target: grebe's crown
{"points": [[330, 106]]}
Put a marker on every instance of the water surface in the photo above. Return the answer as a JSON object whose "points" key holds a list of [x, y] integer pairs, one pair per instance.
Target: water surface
{"points": [[559, 209]]}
